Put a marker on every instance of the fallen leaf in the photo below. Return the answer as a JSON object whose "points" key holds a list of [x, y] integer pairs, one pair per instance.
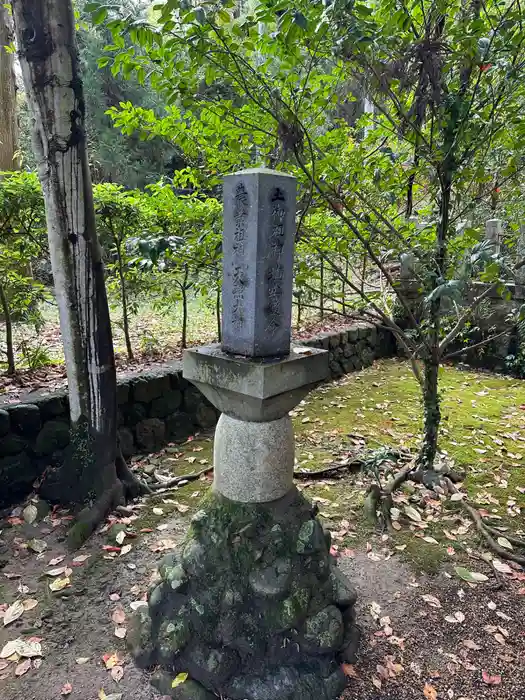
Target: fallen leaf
{"points": [[29, 604], [501, 566], [59, 584], [117, 673], [181, 507], [82, 660], [471, 645], [125, 549], [37, 546], [28, 649], [136, 604], [114, 596], [431, 600], [112, 696], [57, 560], [121, 536], [119, 616], [66, 689], [29, 513], [490, 680], [413, 514], [81, 558], [376, 681], [120, 632], [13, 612], [499, 638], [110, 660], [470, 576], [158, 511], [179, 679], [430, 540], [430, 692], [56, 572], [456, 617], [457, 496], [349, 671], [503, 542], [23, 667]]}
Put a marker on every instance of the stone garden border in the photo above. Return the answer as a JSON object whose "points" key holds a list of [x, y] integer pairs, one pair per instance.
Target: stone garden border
{"points": [[155, 407]]}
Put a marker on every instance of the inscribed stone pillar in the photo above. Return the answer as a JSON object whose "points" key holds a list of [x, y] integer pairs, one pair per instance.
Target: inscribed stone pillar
{"points": [[494, 232], [258, 241], [253, 606]]}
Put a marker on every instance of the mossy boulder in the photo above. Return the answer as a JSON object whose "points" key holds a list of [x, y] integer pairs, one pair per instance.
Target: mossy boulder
{"points": [[53, 436], [5, 423], [25, 418], [234, 606], [151, 434]]}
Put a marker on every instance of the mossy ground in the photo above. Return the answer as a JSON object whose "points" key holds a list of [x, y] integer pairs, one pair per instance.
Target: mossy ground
{"points": [[483, 432]]}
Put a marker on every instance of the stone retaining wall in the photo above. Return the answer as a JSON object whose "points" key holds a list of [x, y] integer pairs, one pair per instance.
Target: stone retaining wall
{"points": [[154, 407], [355, 348]]}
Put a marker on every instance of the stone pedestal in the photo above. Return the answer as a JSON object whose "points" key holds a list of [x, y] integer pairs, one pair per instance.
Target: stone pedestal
{"points": [[252, 607]]}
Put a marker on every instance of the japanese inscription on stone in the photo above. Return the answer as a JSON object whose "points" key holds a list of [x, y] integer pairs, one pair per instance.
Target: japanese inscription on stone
{"points": [[239, 277], [274, 267], [258, 240]]}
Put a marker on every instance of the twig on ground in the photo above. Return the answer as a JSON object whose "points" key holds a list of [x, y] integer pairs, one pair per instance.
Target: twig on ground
{"points": [[484, 531]]}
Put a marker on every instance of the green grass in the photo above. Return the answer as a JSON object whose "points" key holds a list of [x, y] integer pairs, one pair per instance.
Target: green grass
{"points": [[482, 431]]}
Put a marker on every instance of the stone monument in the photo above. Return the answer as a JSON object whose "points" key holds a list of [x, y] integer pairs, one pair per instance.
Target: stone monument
{"points": [[253, 606], [494, 232]]}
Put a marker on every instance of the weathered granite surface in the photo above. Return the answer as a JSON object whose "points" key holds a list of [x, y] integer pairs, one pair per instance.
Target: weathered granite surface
{"points": [[252, 607], [257, 244]]}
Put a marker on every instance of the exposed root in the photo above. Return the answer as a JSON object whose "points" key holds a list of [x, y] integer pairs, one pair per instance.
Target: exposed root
{"points": [[133, 486], [354, 465], [380, 499], [125, 487], [319, 474], [172, 483], [513, 540], [485, 531], [90, 517]]}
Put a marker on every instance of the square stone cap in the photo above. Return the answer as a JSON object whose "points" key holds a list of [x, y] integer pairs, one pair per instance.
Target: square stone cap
{"points": [[261, 171], [257, 378]]}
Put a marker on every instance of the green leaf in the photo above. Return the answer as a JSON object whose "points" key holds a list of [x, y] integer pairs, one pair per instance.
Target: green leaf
{"points": [[179, 679], [470, 576]]}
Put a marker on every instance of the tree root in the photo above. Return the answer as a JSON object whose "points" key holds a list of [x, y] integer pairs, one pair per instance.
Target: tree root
{"points": [[90, 517], [380, 499], [133, 486], [319, 474], [354, 465], [485, 531], [172, 483], [125, 487]]}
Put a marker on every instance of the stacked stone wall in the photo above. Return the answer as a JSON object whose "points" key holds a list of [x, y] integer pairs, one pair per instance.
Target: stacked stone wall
{"points": [[154, 408]]}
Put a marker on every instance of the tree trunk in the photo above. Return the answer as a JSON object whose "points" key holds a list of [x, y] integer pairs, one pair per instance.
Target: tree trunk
{"points": [[184, 290], [124, 299], [432, 415], [93, 472], [8, 115], [11, 368], [321, 290]]}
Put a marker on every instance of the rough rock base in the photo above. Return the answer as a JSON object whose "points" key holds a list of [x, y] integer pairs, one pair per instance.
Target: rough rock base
{"points": [[253, 607]]}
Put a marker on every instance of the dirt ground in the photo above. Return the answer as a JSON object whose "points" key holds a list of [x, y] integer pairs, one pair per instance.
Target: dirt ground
{"points": [[428, 634], [409, 649]]}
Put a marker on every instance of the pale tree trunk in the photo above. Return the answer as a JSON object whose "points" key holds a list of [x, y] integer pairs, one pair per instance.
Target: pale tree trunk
{"points": [[8, 116], [94, 471]]}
